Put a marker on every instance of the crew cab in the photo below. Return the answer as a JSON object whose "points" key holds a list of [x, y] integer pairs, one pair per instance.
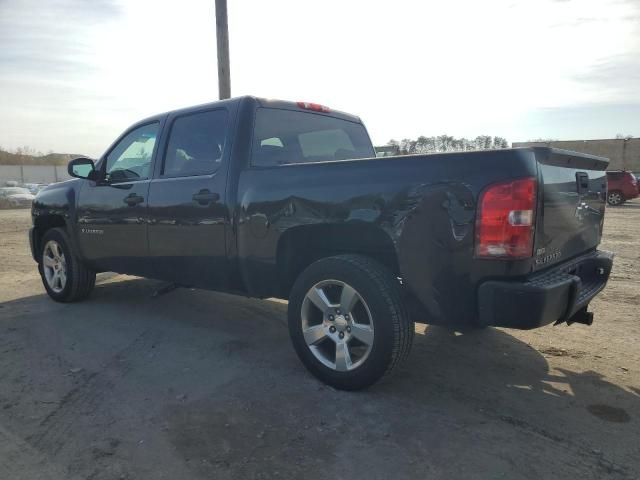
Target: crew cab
{"points": [[269, 198]]}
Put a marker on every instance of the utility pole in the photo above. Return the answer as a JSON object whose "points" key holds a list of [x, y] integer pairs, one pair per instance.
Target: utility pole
{"points": [[222, 35]]}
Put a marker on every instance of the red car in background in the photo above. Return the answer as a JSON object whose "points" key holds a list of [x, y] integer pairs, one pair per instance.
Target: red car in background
{"points": [[621, 186]]}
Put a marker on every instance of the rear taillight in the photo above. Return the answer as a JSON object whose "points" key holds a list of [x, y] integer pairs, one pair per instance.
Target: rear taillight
{"points": [[506, 220]]}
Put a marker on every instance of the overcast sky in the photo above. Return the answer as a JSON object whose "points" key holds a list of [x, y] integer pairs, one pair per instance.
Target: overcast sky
{"points": [[75, 73]]}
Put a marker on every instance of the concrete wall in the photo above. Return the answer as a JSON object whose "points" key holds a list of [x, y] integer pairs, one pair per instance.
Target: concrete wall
{"points": [[622, 154], [10, 172], [33, 173]]}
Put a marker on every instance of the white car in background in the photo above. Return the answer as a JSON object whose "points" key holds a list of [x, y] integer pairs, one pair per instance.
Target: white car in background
{"points": [[34, 188], [15, 197]]}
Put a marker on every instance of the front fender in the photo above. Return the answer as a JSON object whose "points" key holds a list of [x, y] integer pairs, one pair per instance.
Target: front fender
{"points": [[55, 206]]}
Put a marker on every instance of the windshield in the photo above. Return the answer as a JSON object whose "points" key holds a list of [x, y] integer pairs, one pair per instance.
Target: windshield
{"points": [[287, 136]]}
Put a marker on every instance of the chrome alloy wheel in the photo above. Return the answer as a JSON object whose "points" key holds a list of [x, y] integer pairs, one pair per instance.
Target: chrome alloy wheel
{"points": [[615, 198], [337, 325], [54, 266]]}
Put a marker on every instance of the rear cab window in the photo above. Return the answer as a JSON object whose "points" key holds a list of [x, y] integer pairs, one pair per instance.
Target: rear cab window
{"points": [[283, 137]]}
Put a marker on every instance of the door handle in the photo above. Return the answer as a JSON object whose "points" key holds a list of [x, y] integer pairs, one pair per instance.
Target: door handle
{"points": [[204, 196], [133, 199]]}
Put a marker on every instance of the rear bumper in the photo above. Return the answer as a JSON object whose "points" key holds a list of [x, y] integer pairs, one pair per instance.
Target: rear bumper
{"points": [[555, 295]]}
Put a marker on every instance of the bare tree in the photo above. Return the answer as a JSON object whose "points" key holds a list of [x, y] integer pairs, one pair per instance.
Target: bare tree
{"points": [[447, 143]]}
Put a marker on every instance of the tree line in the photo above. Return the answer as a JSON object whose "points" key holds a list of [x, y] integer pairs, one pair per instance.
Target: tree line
{"points": [[447, 143], [30, 156]]}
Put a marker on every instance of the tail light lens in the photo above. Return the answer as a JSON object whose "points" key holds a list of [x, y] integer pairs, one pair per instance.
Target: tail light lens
{"points": [[506, 220]]}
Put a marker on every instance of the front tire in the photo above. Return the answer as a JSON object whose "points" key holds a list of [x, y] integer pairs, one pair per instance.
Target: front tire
{"points": [[347, 321], [615, 198], [64, 277]]}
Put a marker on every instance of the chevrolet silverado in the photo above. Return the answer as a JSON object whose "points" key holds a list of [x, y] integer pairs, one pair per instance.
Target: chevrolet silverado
{"points": [[269, 198]]}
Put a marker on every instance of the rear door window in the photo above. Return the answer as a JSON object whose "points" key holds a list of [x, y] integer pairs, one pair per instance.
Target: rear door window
{"points": [[285, 136], [196, 144]]}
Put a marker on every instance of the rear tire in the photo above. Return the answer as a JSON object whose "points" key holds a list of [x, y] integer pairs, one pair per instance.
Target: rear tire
{"points": [[64, 277], [615, 198], [361, 330]]}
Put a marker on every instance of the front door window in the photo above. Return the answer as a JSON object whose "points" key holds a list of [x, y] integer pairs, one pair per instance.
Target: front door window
{"points": [[131, 157]]}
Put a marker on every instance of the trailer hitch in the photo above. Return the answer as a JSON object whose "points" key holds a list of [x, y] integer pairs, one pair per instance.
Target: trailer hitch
{"points": [[581, 316]]}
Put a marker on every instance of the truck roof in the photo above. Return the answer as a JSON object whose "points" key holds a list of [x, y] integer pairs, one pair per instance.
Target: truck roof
{"points": [[259, 102], [287, 105]]}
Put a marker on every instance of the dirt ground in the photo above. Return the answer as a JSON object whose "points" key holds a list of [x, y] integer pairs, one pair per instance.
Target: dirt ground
{"points": [[196, 384]]}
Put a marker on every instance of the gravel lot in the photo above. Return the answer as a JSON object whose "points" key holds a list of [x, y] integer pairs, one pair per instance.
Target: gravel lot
{"points": [[196, 384]]}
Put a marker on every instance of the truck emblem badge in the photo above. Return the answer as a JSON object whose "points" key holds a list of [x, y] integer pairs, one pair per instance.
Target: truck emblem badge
{"points": [[92, 231], [548, 258], [581, 210]]}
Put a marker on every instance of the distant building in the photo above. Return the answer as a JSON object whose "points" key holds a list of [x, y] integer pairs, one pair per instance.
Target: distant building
{"points": [[623, 154]]}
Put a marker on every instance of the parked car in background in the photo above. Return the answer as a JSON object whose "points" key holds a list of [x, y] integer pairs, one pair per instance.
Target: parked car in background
{"points": [[34, 188], [15, 197], [621, 186]]}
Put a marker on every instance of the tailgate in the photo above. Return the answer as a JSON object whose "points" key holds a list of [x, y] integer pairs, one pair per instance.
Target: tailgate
{"points": [[572, 193]]}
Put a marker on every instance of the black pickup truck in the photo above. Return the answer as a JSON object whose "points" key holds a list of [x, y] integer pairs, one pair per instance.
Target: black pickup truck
{"points": [[278, 199]]}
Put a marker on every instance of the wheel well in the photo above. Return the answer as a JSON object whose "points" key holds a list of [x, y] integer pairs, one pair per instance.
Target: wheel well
{"points": [[42, 224], [299, 247]]}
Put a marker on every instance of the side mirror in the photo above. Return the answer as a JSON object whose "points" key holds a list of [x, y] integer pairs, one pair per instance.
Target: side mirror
{"points": [[82, 168]]}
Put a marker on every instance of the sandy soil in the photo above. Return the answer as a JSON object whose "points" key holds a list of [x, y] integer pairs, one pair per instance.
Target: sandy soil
{"points": [[196, 384]]}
